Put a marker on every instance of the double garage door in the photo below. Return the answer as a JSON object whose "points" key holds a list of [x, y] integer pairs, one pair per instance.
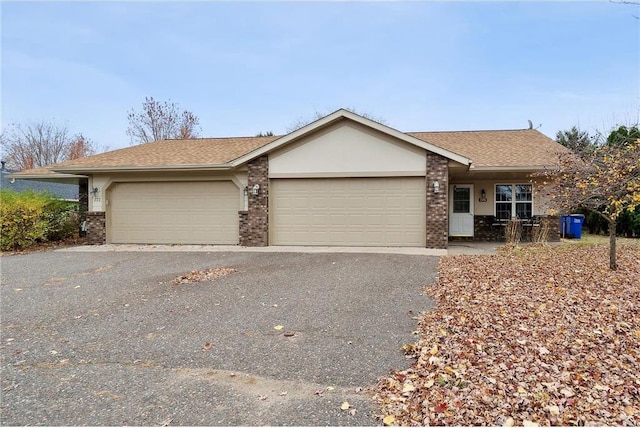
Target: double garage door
{"points": [[348, 211], [323, 211], [201, 212]]}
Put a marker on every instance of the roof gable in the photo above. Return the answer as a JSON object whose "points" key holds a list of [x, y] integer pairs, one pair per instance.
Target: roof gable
{"points": [[343, 114], [346, 148]]}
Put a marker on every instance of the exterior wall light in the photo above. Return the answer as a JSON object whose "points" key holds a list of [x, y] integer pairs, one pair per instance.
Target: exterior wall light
{"points": [[483, 196], [436, 187], [255, 189], [95, 191], [246, 191]]}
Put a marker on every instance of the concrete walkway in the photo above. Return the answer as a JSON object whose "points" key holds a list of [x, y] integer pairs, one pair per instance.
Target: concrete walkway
{"points": [[454, 248]]}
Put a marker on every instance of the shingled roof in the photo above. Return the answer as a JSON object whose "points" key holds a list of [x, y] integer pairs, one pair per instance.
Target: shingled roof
{"points": [[509, 148], [499, 150], [168, 153]]}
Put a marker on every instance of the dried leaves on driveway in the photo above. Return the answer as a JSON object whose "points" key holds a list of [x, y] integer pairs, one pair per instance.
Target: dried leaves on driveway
{"points": [[203, 275], [546, 336]]}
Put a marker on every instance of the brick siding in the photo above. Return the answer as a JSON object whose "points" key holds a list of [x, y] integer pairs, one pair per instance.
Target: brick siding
{"points": [[83, 203], [254, 223], [96, 228], [437, 203], [484, 230]]}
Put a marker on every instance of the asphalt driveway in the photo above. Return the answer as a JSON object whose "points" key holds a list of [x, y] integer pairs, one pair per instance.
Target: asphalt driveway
{"points": [[105, 338]]}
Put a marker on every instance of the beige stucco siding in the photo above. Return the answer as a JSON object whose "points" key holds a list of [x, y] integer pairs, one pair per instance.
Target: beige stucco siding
{"points": [[347, 149], [542, 202]]}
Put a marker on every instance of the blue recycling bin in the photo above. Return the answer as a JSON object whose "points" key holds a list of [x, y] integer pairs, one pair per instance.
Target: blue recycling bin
{"points": [[575, 225]]}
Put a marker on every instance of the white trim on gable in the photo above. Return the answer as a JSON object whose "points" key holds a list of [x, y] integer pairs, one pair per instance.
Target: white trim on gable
{"points": [[345, 114]]}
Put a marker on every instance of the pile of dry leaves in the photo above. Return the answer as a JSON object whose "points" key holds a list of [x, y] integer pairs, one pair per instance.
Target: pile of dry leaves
{"points": [[203, 275], [544, 336]]}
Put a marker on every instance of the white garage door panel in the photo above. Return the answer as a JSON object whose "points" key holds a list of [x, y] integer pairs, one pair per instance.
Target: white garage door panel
{"points": [[348, 211], [174, 213]]}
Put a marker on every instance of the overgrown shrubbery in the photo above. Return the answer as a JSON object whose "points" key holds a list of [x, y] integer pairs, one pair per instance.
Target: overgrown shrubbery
{"points": [[628, 223], [30, 217]]}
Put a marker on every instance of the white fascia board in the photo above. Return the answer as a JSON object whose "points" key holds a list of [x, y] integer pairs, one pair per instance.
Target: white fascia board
{"points": [[18, 176], [340, 114], [512, 168], [408, 138], [147, 168], [289, 137]]}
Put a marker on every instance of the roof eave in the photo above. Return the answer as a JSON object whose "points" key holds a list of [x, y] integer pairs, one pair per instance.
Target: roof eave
{"points": [[18, 176], [152, 168], [512, 168]]}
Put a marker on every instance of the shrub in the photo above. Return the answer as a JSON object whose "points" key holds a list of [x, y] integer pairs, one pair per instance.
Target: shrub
{"points": [[513, 232], [30, 217], [61, 218]]}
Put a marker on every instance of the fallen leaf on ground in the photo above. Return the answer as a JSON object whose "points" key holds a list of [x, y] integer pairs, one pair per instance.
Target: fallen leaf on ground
{"points": [[278, 327], [521, 338], [345, 405], [203, 275]]}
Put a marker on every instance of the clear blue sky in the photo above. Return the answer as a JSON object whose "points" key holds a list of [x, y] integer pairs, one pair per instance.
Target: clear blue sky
{"points": [[248, 67]]}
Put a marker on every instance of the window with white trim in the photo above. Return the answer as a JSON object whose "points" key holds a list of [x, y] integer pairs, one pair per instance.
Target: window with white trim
{"points": [[514, 200]]}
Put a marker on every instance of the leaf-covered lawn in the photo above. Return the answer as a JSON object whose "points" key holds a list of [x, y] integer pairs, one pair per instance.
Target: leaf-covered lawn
{"points": [[542, 336]]}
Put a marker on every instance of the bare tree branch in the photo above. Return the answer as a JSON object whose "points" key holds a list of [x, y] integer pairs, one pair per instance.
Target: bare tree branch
{"points": [[159, 121], [37, 144]]}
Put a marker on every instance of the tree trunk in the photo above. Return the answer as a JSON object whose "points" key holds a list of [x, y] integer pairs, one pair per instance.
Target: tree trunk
{"points": [[613, 265]]}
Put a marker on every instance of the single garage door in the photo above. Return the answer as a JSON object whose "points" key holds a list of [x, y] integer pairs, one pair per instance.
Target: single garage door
{"points": [[174, 213], [348, 211]]}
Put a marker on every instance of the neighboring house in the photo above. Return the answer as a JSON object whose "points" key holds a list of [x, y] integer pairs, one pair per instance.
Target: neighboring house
{"points": [[66, 191], [343, 180]]}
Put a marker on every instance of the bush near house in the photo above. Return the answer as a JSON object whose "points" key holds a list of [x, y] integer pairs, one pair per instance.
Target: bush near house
{"points": [[628, 224], [30, 217]]}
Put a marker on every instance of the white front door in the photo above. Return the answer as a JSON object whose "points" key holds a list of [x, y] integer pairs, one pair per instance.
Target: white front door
{"points": [[461, 210]]}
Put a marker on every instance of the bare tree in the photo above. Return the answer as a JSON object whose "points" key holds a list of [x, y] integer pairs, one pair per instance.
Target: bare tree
{"points": [[79, 147], [303, 121], [37, 144], [632, 3], [161, 120]]}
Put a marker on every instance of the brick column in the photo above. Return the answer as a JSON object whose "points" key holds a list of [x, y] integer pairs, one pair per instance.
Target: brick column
{"points": [[254, 223], [96, 228], [83, 203], [437, 203]]}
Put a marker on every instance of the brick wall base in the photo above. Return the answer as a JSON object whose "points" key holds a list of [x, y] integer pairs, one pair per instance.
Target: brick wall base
{"points": [[483, 230], [96, 228]]}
